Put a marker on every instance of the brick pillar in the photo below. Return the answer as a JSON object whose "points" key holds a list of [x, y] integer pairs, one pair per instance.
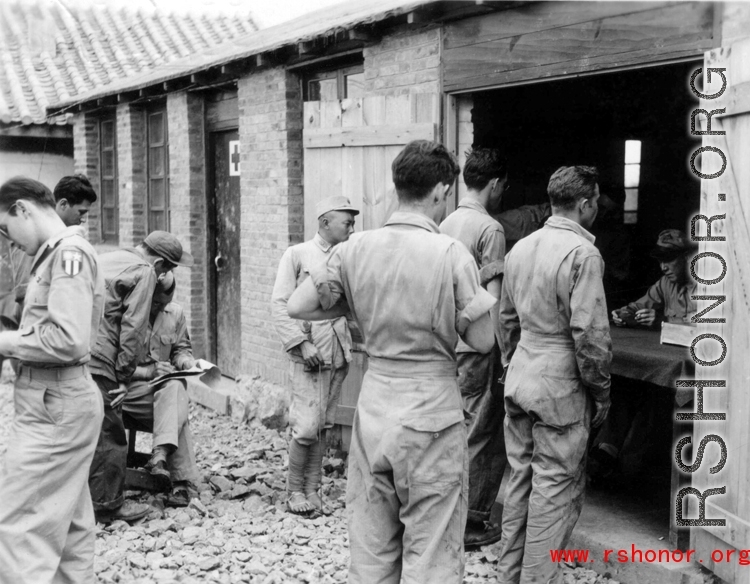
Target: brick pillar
{"points": [[86, 161], [187, 200], [270, 127], [131, 169]]}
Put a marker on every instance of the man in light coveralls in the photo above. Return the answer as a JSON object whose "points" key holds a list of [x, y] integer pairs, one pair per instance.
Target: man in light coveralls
{"points": [[555, 335], [413, 292], [46, 515]]}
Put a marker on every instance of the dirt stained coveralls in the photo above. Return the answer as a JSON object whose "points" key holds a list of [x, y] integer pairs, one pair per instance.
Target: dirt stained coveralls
{"points": [[46, 516], [478, 374], [130, 281], [315, 394], [553, 321], [163, 410], [406, 286]]}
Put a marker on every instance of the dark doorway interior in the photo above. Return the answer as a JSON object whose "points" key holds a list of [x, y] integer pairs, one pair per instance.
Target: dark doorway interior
{"points": [[588, 121]]}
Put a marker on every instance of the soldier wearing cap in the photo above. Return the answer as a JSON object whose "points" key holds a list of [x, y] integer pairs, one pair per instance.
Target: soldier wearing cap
{"points": [[131, 275], [320, 353], [163, 409], [46, 517], [413, 291], [670, 299]]}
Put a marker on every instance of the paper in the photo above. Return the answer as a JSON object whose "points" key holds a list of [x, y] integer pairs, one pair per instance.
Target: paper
{"points": [[207, 372]]}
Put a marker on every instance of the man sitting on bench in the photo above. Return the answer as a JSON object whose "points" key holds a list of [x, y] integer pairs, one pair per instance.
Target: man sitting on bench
{"points": [[163, 409]]}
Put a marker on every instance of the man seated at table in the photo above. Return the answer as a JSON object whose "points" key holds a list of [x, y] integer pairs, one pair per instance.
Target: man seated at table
{"points": [[163, 409], [670, 299]]}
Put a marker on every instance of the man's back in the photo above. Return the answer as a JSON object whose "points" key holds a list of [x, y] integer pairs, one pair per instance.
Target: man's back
{"points": [[406, 303]]}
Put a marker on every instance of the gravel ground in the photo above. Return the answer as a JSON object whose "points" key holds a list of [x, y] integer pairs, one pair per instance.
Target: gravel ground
{"points": [[237, 529]]}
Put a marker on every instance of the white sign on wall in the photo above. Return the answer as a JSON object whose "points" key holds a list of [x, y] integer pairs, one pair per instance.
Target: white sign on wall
{"points": [[234, 158]]}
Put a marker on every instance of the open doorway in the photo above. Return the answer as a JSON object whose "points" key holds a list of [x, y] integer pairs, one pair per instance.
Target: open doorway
{"points": [[633, 126]]}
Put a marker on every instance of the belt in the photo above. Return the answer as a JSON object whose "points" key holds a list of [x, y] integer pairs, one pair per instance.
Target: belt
{"points": [[53, 373], [550, 341], [411, 368]]}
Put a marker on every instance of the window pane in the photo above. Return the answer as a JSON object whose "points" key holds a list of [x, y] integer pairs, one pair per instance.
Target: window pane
{"points": [[108, 135], [355, 85], [322, 90], [108, 164], [109, 221], [156, 221], [108, 193], [156, 128], [632, 175], [631, 217], [156, 161], [157, 194], [631, 200], [632, 151]]}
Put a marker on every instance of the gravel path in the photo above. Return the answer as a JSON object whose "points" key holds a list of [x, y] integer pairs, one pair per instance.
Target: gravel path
{"points": [[238, 529]]}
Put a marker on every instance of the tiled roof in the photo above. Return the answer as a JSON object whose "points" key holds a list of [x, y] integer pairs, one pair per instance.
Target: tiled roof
{"points": [[52, 52], [316, 24]]}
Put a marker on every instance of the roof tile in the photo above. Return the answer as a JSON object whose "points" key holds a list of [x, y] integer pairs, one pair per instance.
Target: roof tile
{"points": [[52, 52]]}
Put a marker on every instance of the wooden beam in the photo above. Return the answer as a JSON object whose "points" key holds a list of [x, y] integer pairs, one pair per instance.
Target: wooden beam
{"points": [[358, 34], [39, 131], [126, 96], [368, 135], [306, 47], [262, 60]]}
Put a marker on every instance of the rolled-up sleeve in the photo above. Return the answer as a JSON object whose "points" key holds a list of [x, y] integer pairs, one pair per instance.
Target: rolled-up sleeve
{"points": [[590, 326], [472, 301], [328, 277], [287, 328], [492, 254]]}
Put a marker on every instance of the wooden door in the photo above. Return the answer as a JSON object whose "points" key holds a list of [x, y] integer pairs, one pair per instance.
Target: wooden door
{"points": [[349, 146], [225, 267], [727, 194]]}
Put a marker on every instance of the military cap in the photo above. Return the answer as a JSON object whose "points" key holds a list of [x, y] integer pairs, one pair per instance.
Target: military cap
{"points": [[335, 203], [167, 246], [671, 244]]}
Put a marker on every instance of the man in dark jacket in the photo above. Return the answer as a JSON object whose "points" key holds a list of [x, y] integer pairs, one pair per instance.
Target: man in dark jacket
{"points": [[130, 275]]}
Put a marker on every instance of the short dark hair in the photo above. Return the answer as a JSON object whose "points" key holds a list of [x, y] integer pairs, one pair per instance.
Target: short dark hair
{"points": [[75, 189], [483, 165], [420, 166], [21, 187], [568, 184]]}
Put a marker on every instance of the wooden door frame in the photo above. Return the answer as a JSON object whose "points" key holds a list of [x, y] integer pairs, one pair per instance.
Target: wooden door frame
{"points": [[212, 133]]}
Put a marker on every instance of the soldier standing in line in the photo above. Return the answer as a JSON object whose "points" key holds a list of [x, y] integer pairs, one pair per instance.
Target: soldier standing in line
{"points": [[320, 353], [486, 177], [555, 336], [131, 275], [413, 292], [46, 516]]}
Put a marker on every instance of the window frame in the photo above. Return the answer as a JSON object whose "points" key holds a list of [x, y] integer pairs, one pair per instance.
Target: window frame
{"points": [[150, 208], [338, 73], [111, 236]]}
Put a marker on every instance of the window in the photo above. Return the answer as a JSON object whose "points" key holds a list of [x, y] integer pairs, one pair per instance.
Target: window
{"points": [[632, 179], [108, 194], [157, 170], [332, 85]]}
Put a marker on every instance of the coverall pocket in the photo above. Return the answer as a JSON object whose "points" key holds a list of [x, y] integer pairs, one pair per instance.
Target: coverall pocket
{"points": [[565, 402], [436, 449], [53, 404]]}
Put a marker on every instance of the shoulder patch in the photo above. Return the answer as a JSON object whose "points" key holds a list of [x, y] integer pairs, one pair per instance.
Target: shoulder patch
{"points": [[72, 261]]}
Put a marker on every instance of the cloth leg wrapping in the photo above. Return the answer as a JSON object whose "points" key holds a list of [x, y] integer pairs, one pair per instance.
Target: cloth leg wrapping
{"points": [[314, 465], [298, 453]]}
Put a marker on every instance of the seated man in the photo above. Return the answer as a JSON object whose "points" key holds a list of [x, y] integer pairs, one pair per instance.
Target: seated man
{"points": [[163, 409], [670, 299]]}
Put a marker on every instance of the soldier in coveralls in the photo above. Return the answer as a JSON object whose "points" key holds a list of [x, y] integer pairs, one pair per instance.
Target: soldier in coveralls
{"points": [[46, 515], [555, 335], [412, 291]]}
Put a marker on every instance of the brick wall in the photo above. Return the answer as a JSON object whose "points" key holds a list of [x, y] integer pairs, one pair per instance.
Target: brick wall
{"points": [[270, 127], [131, 168], [187, 201], [86, 161], [405, 62]]}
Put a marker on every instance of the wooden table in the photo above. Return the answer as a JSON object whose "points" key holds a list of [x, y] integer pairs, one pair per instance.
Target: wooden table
{"points": [[638, 354]]}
